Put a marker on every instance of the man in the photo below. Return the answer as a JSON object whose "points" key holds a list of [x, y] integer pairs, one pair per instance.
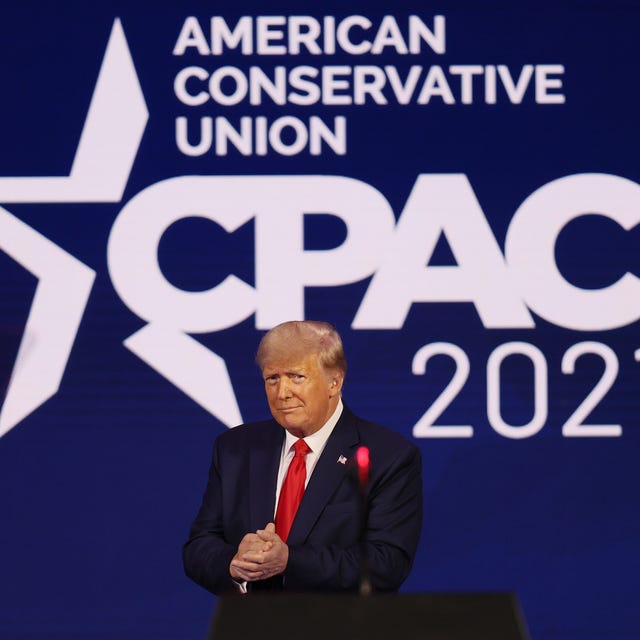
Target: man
{"points": [[243, 537]]}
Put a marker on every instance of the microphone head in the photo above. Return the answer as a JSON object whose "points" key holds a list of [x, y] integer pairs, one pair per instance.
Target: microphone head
{"points": [[363, 463]]}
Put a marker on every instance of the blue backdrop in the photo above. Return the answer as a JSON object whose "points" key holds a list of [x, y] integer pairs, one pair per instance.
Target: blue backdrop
{"points": [[453, 185]]}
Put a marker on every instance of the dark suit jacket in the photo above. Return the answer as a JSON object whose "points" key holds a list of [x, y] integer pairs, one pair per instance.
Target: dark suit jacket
{"points": [[325, 542]]}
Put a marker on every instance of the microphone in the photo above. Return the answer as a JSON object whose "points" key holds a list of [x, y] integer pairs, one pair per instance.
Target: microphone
{"points": [[362, 465], [363, 468]]}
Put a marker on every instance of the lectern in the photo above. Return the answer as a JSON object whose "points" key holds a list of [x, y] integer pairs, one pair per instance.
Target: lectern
{"points": [[437, 616]]}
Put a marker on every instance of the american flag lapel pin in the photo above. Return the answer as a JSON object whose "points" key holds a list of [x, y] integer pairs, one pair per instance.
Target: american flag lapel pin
{"points": [[342, 460]]}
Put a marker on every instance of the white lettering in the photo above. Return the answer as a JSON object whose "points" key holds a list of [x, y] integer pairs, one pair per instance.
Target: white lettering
{"points": [[466, 73], [222, 35], [344, 41], [368, 80], [180, 86], [276, 89], [331, 83], [280, 35], [516, 90], [435, 84], [280, 255], [442, 204], [530, 251], [418, 31], [238, 79], [266, 34], [307, 92], [286, 136], [241, 140], [319, 132], [191, 35], [403, 92], [544, 83], [304, 30], [389, 36], [182, 137]]}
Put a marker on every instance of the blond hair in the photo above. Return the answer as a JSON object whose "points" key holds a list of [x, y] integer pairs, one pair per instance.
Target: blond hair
{"points": [[302, 338]]}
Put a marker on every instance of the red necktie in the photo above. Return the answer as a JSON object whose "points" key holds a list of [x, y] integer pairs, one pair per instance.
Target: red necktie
{"points": [[292, 490]]}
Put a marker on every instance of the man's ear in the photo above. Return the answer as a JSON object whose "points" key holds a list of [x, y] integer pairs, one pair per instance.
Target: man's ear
{"points": [[335, 387]]}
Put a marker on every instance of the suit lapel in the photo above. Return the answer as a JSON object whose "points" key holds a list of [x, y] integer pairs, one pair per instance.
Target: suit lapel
{"points": [[326, 477], [264, 461]]}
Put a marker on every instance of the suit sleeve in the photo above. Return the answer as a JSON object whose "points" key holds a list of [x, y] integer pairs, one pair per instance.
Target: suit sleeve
{"points": [[391, 535], [206, 554]]}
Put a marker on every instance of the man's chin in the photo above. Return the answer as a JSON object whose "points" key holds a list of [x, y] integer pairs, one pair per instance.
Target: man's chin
{"points": [[291, 424]]}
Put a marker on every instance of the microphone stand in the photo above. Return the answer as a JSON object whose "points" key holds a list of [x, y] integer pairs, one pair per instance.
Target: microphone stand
{"points": [[362, 468]]}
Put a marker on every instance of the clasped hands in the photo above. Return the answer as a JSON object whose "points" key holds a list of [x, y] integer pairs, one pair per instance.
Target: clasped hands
{"points": [[260, 555]]}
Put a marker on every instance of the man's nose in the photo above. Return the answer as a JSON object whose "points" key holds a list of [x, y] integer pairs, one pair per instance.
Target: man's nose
{"points": [[284, 388]]}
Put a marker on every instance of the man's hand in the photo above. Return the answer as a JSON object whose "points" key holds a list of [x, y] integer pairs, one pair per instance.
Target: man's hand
{"points": [[260, 555]]}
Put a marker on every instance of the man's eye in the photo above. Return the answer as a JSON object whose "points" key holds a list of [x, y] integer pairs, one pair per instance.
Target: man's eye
{"points": [[271, 380]]}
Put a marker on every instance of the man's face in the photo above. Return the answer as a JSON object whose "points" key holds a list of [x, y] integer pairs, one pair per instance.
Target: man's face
{"points": [[301, 395]]}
